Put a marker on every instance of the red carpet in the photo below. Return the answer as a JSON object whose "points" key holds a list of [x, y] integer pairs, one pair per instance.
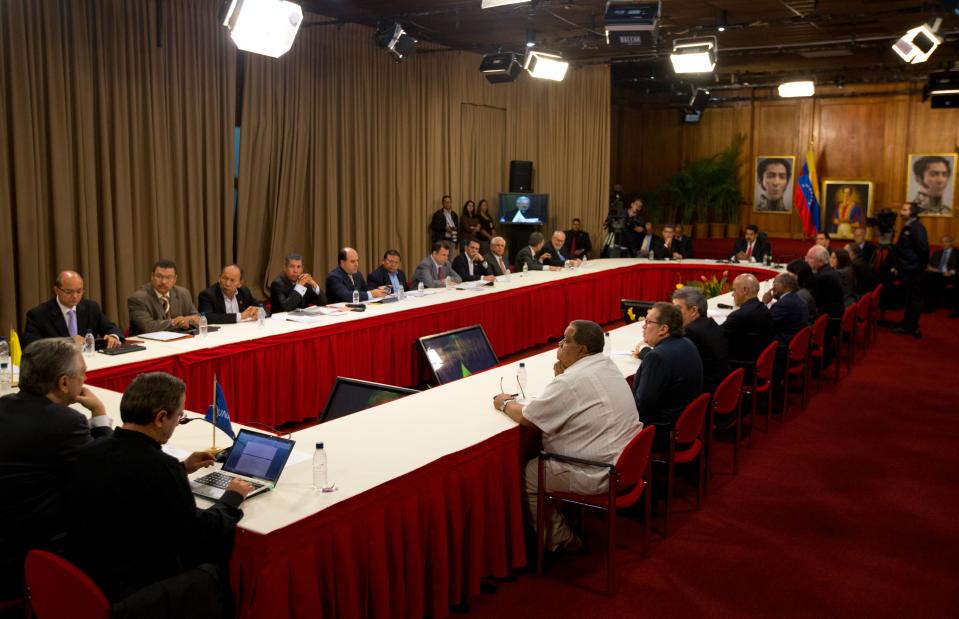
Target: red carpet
{"points": [[847, 509]]}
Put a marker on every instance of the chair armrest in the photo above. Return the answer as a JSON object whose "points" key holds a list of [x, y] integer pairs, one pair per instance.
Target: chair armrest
{"points": [[545, 455]]}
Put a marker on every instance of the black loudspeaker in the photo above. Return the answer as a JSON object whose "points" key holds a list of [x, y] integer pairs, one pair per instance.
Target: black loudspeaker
{"points": [[520, 176]]}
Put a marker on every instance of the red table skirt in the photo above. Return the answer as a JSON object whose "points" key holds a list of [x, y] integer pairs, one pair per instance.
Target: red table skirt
{"points": [[408, 548], [288, 377]]}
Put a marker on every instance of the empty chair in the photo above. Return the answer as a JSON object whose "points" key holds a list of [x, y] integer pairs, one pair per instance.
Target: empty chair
{"points": [[725, 413], [60, 589], [797, 365]]}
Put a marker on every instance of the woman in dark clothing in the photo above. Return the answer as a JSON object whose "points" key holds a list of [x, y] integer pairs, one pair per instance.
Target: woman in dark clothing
{"points": [[807, 279]]}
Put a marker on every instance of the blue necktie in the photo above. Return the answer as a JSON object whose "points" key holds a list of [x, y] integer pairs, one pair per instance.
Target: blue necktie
{"points": [[945, 261], [72, 323], [395, 281]]}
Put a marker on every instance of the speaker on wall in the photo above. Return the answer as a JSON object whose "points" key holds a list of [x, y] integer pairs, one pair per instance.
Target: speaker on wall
{"points": [[520, 176]]}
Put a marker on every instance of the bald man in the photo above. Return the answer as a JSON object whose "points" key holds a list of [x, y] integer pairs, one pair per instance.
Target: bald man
{"points": [[827, 288], [342, 281], [749, 329], [68, 314], [228, 301]]}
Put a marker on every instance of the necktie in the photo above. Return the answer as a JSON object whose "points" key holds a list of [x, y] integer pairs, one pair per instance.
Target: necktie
{"points": [[439, 272], [502, 267], [646, 242], [352, 282], [749, 250], [72, 323], [944, 262], [165, 300], [572, 246]]}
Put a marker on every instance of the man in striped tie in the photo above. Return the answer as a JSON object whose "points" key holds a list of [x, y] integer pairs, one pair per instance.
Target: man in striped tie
{"points": [[161, 305]]}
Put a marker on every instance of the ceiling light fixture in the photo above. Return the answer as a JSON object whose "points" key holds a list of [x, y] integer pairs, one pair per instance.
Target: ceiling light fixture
{"points": [[918, 43], [500, 67], [546, 66], [266, 27], [721, 21], [694, 55], [390, 35], [530, 38], [804, 88], [490, 4]]}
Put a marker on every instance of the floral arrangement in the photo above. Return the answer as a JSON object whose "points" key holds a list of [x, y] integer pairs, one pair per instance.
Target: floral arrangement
{"points": [[711, 287]]}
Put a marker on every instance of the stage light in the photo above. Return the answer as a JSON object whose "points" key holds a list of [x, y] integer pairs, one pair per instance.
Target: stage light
{"points": [[694, 55], [721, 21], [530, 38], [266, 27], [797, 89], [919, 43], [546, 66], [489, 4], [500, 67], [390, 35]]}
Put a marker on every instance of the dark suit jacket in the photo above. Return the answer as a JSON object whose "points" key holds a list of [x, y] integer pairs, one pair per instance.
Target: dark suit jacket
{"points": [[828, 293], [494, 266], [684, 245], [284, 298], [952, 262], [668, 379], [339, 288], [911, 251], [761, 248], [146, 311], [662, 252], [868, 251], [557, 258], [583, 245], [46, 320], [525, 255], [381, 277], [438, 225], [39, 441], [462, 268], [211, 304], [748, 330], [790, 314], [713, 350], [655, 245], [865, 280]]}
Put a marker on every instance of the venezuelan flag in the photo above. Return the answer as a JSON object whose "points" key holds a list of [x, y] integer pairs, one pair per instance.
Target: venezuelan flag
{"points": [[806, 195]]}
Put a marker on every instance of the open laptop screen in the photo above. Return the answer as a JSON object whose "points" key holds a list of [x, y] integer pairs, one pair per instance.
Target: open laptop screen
{"points": [[350, 395], [258, 455], [458, 354]]}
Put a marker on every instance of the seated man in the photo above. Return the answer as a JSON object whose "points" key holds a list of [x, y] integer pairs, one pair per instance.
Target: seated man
{"points": [[866, 249], [496, 258], [683, 242], [940, 272], [471, 266], [749, 329], [577, 244], [161, 305], [156, 529], [68, 314], [790, 315], [751, 248], [705, 334], [388, 273], [827, 285], [651, 242], [294, 289], [823, 240], [670, 373], [585, 412], [556, 252], [39, 438], [532, 257], [228, 301], [344, 279], [433, 270], [670, 248]]}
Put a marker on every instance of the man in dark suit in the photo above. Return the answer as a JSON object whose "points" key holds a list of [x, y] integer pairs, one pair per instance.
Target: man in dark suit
{"points": [[497, 259], [68, 314], [161, 305], [433, 270], [910, 256], [156, 530], [342, 281], [444, 223], [556, 250], [39, 438], [577, 241], [670, 248], [705, 334], [532, 257], [228, 301], [790, 315], [940, 271], [751, 248], [651, 242], [749, 329], [634, 228], [683, 242], [865, 277], [294, 289], [670, 374], [388, 273], [866, 249], [471, 266], [827, 285]]}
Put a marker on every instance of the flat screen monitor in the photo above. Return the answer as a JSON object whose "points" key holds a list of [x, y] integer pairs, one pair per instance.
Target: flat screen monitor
{"points": [[457, 354], [523, 208], [350, 395]]}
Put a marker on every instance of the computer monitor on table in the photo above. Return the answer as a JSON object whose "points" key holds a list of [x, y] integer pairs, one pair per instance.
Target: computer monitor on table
{"points": [[459, 353], [351, 395]]}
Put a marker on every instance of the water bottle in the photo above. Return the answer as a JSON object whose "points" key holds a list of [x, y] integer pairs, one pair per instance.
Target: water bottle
{"points": [[400, 293], [521, 379], [525, 269], [507, 275], [607, 346], [5, 368], [652, 255], [356, 296], [419, 289], [260, 316], [201, 326], [89, 344], [319, 467], [582, 264]]}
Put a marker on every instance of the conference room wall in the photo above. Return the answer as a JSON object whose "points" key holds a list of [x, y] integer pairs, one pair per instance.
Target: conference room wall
{"points": [[859, 132], [113, 151], [342, 145]]}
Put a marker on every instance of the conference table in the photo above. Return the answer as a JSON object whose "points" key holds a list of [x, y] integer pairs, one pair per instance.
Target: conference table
{"points": [[428, 496], [283, 370]]}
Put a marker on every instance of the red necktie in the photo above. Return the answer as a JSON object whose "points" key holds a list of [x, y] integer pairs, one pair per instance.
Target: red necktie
{"points": [[749, 250], [572, 247], [439, 272]]}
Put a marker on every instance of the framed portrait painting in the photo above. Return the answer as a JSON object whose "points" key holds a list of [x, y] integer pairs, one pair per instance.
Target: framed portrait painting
{"points": [[774, 183], [932, 182], [846, 204]]}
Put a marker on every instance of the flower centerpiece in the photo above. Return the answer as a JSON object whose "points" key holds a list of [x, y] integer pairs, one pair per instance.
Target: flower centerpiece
{"points": [[711, 287]]}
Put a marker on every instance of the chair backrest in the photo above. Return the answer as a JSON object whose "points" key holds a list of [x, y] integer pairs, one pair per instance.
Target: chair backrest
{"points": [[799, 345], [632, 463], [876, 297], [767, 361], [59, 589], [849, 318], [863, 306], [726, 396], [690, 422], [819, 328]]}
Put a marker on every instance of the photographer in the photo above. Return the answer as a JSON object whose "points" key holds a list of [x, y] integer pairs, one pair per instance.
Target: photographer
{"points": [[615, 221]]}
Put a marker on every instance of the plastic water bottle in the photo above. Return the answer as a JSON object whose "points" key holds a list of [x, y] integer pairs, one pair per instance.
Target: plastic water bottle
{"points": [[582, 264], [607, 346], [400, 293], [419, 289], [525, 269], [652, 255], [201, 326], [5, 368], [319, 467], [356, 296], [508, 274], [260, 316], [89, 344], [521, 379]]}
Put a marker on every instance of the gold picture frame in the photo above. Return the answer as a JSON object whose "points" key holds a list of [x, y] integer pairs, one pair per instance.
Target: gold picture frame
{"points": [[932, 183], [845, 206], [775, 176]]}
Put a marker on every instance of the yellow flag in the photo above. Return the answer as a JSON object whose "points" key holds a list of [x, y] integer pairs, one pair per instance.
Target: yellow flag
{"points": [[14, 348]]}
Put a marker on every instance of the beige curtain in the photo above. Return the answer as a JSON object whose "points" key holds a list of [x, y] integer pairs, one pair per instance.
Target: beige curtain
{"points": [[342, 146], [113, 151]]}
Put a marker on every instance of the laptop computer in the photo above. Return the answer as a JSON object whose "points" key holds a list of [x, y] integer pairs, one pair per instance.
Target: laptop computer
{"points": [[255, 457]]}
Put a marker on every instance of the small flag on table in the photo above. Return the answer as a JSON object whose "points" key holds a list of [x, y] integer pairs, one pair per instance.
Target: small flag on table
{"points": [[15, 351], [217, 413]]}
